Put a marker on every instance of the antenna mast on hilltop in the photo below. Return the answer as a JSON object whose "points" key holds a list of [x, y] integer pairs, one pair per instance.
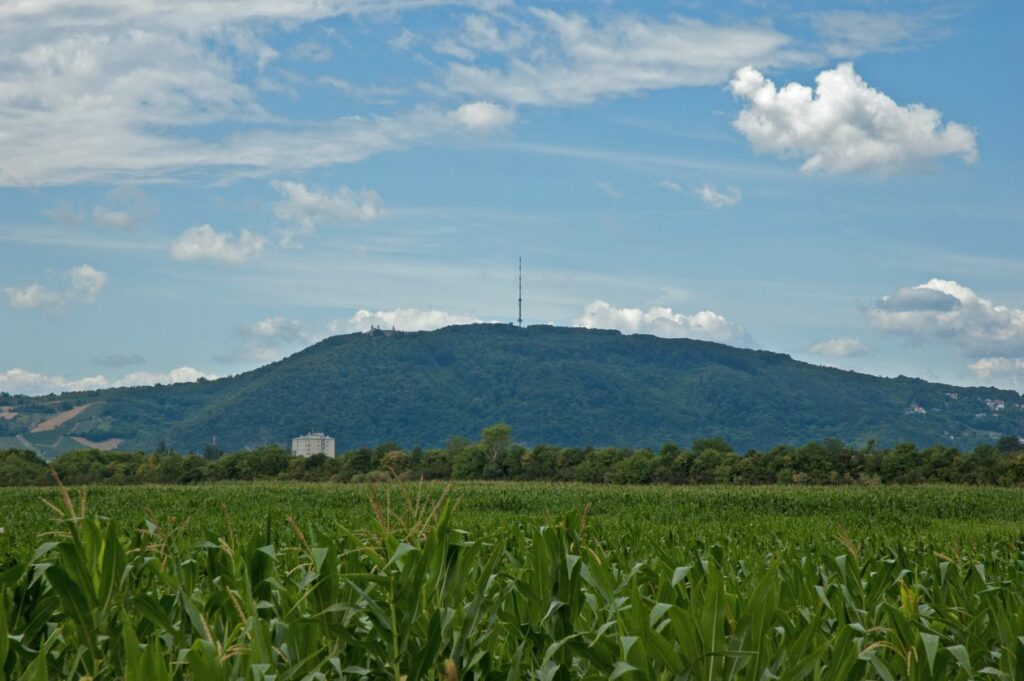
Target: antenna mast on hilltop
{"points": [[520, 292]]}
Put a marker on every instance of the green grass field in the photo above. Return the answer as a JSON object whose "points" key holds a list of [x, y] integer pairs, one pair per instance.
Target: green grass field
{"points": [[509, 581]]}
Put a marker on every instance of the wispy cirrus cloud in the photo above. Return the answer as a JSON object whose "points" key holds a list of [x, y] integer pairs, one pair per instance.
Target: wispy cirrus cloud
{"points": [[577, 61], [363, 92], [100, 91], [119, 360], [124, 208], [849, 33], [609, 190]]}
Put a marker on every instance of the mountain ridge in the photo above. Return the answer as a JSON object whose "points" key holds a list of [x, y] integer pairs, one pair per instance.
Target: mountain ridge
{"points": [[556, 385]]}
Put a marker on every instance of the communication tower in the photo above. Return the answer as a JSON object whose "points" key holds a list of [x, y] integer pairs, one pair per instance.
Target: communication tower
{"points": [[520, 292]]}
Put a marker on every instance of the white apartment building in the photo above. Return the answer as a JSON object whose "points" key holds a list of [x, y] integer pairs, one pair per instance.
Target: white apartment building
{"points": [[312, 444]]}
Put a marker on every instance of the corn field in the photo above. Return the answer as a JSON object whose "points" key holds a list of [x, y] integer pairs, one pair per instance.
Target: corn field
{"points": [[513, 582]]}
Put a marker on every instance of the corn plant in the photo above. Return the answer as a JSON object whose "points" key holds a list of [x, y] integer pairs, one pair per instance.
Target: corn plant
{"points": [[406, 592]]}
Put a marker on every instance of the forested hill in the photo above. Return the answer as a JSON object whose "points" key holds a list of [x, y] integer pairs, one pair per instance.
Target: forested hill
{"points": [[552, 385]]}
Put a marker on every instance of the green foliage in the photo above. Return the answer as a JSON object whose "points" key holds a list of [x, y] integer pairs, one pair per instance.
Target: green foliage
{"points": [[400, 584], [18, 468], [497, 457], [551, 385]]}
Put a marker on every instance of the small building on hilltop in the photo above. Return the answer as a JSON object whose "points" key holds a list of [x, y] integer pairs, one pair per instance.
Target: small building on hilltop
{"points": [[313, 444]]}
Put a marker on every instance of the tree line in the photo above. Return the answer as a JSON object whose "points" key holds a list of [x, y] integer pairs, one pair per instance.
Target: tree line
{"points": [[496, 456]]}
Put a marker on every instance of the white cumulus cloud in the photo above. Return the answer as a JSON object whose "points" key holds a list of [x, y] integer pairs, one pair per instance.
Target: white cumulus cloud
{"points": [[402, 319], [719, 199], [276, 328], [269, 339], [118, 219], [950, 312], [309, 207], [839, 347], [483, 116], [85, 285], [203, 242], [1007, 370], [272, 338], [22, 382], [843, 125], [662, 321], [32, 296], [179, 375]]}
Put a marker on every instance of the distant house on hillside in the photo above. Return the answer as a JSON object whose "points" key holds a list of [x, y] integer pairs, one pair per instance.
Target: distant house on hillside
{"points": [[313, 444]]}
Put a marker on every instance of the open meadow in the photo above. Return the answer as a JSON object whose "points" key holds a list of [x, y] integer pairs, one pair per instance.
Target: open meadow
{"points": [[290, 581]]}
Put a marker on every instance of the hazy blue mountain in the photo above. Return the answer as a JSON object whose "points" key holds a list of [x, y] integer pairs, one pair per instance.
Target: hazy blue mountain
{"points": [[553, 385]]}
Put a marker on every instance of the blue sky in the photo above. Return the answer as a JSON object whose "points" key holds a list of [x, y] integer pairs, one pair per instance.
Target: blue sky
{"points": [[197, 188]]}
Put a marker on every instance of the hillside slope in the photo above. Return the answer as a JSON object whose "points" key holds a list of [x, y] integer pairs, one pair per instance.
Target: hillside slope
{"points": [[554, 385]]}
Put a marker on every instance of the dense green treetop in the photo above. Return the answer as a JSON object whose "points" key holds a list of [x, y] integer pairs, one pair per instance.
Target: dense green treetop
{"points": [[497, 456]]}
